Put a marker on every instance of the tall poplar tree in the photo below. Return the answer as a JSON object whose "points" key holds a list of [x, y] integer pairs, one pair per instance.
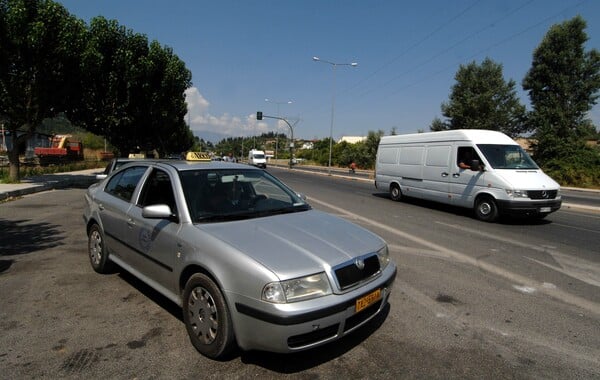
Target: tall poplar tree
{"points": [[482, 99], [563, 84], [40, 43]]}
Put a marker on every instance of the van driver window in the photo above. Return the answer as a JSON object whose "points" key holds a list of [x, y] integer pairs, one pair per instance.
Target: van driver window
{"points": [[465, 157]]}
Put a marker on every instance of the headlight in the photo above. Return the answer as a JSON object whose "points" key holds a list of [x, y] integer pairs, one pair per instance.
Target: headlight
{"points": [[517, 193], [384, 257], [298, 289]]}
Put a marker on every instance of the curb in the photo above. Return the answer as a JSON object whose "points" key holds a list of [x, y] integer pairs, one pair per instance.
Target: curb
{"points": [[80, 180]]}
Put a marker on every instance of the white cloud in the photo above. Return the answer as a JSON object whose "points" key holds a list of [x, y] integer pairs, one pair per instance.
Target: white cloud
{"points": [[201, 119]]}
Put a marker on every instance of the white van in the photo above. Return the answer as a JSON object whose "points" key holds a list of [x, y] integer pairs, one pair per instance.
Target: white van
{"points": [[498, 177], [257, 158]]}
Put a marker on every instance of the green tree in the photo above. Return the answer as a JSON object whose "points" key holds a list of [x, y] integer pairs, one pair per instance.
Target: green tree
{"points": [[133, 92], [438, 125], [482, 99], [40, 44], [164, 108], [114, 63], [370, 148], [563, 84]]}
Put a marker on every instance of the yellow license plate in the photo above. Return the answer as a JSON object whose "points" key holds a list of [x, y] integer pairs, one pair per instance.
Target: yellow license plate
{"points": [[368, 300]]}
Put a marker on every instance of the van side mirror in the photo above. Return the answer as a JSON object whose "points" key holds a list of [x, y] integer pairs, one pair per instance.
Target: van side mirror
{"points": [[475, 166]]}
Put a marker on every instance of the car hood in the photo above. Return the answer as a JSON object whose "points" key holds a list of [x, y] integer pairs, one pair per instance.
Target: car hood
{"points": [[296, 244]]}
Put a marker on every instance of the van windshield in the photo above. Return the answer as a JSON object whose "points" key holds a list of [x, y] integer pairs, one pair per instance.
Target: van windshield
{"points": [[507, 156]]}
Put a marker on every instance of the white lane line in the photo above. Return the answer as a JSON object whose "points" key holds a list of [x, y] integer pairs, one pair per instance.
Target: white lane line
{"points": [[513, 277], [573, 266]]}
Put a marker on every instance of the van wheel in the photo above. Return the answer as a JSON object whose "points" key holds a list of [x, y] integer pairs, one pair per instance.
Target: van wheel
{"points": [[486, 209], [395, 192]]}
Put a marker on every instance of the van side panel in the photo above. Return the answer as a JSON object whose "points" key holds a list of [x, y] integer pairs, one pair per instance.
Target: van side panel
{"points": [[435, 173], [410, 164]]}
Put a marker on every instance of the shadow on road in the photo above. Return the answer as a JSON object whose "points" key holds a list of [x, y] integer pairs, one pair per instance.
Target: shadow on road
{"points": [[22, 237], [465, 212], [281, 363]]}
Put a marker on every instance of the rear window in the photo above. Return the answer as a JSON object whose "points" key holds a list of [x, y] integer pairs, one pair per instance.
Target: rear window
{"points": [[123, 184]]}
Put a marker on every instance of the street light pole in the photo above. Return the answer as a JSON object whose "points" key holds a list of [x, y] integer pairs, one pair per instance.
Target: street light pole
{"points": [[278, 103], [260, 116], [334, 66]]}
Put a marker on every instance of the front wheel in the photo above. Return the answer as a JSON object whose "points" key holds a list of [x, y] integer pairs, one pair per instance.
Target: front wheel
{"points": [[97, 251], [395, 192], [207, 317], [486, 209]]}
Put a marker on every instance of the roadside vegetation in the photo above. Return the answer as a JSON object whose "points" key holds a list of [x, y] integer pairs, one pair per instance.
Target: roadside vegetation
{"points": [[562, 84], [124, 92]]}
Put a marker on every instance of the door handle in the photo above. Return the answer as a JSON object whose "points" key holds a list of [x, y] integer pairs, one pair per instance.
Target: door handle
{"points": [[455, 175], [101, 207], [130, 222], [444, 174]]}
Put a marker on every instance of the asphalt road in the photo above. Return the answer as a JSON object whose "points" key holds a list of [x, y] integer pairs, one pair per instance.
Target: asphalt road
{"points": [[472, 300]]}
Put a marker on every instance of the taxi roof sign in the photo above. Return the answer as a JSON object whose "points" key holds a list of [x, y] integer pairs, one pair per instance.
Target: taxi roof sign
{"points": [[197, 156]]}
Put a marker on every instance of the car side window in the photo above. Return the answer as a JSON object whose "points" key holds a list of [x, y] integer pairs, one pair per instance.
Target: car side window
{"points": [[158, 190], [124, 183]]}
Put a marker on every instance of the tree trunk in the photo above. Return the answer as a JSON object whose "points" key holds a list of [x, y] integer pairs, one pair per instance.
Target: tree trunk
{"points": [[13, 164]]}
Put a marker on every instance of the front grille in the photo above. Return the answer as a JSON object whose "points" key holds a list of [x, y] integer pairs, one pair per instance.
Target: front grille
{"points": [[350, 274], [542, 194]]}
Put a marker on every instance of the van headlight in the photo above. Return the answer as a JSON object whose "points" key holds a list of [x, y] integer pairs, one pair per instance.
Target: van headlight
{"points": [[297, 289], [517, 193], [384, 257]]}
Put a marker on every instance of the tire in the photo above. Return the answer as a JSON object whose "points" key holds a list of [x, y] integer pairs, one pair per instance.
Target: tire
{"points": [[486, 209], [395, 192], [207, 318], [97, 251]]}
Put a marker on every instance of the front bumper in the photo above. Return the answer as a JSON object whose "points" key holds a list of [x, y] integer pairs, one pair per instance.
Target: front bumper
{"points": [[528, 208], [323, 320]]}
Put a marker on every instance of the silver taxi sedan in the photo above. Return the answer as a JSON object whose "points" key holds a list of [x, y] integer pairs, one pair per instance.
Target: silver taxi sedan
{"points": [[248, 259]]}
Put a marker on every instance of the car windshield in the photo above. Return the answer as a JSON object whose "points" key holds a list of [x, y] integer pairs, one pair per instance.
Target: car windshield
{"points": [[507, 156], [231, 194]]}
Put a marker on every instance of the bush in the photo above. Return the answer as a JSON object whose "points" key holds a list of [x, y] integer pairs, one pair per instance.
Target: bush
{"points": [[579, 170], [31, 171]]}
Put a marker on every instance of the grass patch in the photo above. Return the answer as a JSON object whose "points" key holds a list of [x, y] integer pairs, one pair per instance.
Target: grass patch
{"points": [[26, 171]]}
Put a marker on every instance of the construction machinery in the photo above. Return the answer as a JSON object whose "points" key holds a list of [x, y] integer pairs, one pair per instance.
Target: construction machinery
{"points": [[62, 149]]}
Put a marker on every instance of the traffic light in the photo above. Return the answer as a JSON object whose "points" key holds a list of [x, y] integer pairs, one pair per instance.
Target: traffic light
{"points": [[258, 115]]}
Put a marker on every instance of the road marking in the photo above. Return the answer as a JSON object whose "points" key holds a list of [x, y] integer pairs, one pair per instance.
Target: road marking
{"points": [[573, 266], [513, 277]]}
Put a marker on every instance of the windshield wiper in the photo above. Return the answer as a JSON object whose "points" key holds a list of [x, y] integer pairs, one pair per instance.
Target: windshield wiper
{"points": [[251, 214], [289, 209]]}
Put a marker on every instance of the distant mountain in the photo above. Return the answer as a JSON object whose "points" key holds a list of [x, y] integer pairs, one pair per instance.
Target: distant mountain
{"points": [[213, 137]]}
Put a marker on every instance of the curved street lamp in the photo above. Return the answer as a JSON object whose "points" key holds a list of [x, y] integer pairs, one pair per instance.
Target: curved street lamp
{"points": [[334, 65], [278, 104]]}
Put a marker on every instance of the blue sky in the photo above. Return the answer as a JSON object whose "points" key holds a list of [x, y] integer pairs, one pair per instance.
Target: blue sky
{"points": [[243, 52]]}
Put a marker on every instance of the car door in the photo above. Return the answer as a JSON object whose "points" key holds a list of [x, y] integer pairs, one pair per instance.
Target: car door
{"points": [[155, 241], [465, 182], [114, 203]]}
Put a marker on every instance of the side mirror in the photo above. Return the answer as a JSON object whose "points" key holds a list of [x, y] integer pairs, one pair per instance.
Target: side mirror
{"points": [[160, 211], [476, 166]]}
